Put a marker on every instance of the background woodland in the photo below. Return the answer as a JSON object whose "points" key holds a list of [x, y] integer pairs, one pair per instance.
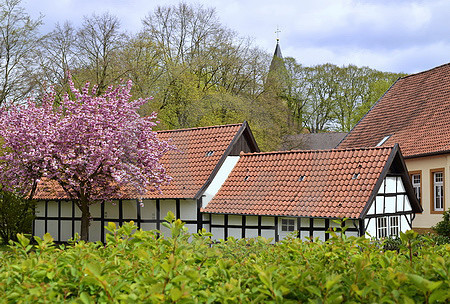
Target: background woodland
{"points": [[198, 72]]}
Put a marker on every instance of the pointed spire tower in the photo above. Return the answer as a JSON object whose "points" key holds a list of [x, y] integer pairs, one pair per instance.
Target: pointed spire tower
{"points": [[277, 54], [277, 76]]}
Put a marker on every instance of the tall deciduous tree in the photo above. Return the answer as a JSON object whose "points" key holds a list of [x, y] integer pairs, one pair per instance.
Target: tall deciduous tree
{"points": [[18, 42], [58, 56], [90, 146], [99, 41]]}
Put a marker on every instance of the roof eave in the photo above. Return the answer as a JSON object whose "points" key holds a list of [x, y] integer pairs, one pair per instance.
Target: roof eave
{"points": [[427, 154], [244, 128]]}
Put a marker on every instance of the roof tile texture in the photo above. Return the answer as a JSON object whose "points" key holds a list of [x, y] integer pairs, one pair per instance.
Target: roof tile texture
{"points": [[198, 152], [302, 183], [415, 111]]}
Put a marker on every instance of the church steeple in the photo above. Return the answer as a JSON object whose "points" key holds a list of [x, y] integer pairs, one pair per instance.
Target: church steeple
{"points": [[277, 52], [276, 78]]}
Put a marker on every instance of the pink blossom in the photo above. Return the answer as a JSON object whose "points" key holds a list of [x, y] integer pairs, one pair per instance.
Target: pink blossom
{"points": [[91, 145]]}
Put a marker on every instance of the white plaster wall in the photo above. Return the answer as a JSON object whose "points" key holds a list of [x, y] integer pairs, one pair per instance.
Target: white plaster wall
{"points": [[268, 234], [52, 228], [165, 231], [372, 208], [234, 220], [148, 226], [39, 228], [77, 211], [111, 210], [188, 210], [95, 210], [52, 209], [166, 206], [40, 208], [304, 222], [66, 208], [129, 210], [404, 223], [251, 221], [217, 219], [391, 182], [218, 233], [334, 224], [219, 179], [206, 226], [407, 204], [251, 233], [400, 186], [304, 235], [192, 228], [320, 235], [235, 232], [148, 210], [95, 231], [319, 223], [77, 227], [389, 204], [66, 230], [267, 221], [379, 201], [381, 187]]}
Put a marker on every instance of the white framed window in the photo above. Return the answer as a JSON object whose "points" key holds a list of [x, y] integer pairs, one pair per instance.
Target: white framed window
{"points": [[388, 226], [394, 226], [287, 224], [438, 191], [416, 181], [382, 227]]}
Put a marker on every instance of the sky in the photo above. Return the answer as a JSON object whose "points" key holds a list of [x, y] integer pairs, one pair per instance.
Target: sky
{"points": [[407, 36]]}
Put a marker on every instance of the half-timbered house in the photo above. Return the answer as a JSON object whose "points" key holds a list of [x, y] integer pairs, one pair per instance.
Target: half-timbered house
{"points": [[415, 113], [273, 194], [203, 159]]}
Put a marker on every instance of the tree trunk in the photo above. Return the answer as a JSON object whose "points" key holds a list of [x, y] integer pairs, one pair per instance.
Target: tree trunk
{"points": [[85, 218]]}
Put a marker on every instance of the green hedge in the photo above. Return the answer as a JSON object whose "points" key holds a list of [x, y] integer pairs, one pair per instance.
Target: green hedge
{"points": [[136, 266]]}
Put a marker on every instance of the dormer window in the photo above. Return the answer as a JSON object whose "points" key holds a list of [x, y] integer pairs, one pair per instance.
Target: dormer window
{"points": [[383, 141], [209, 153]]}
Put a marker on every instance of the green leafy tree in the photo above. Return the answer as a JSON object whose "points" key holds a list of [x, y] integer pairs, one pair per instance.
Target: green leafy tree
{"points": [[16, 216]]}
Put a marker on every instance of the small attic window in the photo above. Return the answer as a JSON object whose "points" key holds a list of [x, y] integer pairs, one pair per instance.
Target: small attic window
{"points": [[383, 141], [355, 176], [209, 153], [245, 178], [301, 178]]}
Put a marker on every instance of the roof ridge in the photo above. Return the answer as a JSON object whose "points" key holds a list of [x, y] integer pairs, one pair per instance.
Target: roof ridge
{"points": [[199, 128], [315, 151], [426, 71]]}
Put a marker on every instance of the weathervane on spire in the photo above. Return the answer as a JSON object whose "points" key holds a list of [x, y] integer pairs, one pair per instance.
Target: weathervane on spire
{"points": [[277, 32]]}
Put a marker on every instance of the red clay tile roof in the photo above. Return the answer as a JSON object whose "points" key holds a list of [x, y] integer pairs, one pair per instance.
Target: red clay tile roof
{"points": [[415, 111], [317, 183], [190, 167]]}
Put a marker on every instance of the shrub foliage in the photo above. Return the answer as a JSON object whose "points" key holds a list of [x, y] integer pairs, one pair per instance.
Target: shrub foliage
{"points": [[137, 266], [443, 227], [16, 216]]}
